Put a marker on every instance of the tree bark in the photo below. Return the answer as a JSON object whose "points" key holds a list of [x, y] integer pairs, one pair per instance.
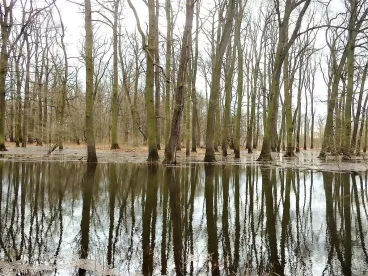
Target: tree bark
{"points": [[195, 120], [6, 24], [239, 89], [91, 149], [359, 110], [19, 77], [215, 87], [168, 71], [187, 111], [115, 82], [231, 54], [359, 142], [150, 78], [26, 93], [288, 110], [347, 150], [305, 118], [299, 115], [157, 78], [170, 153]]}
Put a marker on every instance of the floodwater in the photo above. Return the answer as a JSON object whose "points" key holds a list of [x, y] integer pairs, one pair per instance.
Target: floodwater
{"points": [[134, 219]]}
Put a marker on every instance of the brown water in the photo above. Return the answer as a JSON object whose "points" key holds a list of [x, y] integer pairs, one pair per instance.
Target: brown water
{"points": [[130, 219]]}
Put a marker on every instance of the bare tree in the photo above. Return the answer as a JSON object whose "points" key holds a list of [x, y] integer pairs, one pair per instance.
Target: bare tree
{"points": [[149, 95], [170, 153], [283, 46], [91, 149], [215, 83]]}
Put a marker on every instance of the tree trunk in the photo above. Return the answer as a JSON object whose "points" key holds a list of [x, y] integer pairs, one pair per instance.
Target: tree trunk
{"points": [[170, 153], [13, 102], [157, 78], [195, 134], [45, 99], [26, 94], [19, 77], [168, 71], [251, 127], [4, 59], [91, 149], [150, 81], [187, 115], [135, 99], [299, 115], [239, 89], [347, 150], [218, 123], [115, 82], [64, 91], [282, 129], [288, 110], [358, 112], [359, 142], [215, 87], [366, 134], [40, 86], [305, 120], [231, 54], [256, 133]]}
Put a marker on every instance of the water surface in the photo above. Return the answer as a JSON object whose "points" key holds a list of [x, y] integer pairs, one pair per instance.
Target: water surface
{"points": [[131, 219]]}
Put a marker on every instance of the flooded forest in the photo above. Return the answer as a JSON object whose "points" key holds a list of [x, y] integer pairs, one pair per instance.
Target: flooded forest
{"points": [[184, 137]]}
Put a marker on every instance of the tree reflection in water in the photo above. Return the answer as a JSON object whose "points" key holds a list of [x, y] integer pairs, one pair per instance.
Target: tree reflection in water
{"points": [[126, 219], [87, 192], [173, 182], [212, 244]]}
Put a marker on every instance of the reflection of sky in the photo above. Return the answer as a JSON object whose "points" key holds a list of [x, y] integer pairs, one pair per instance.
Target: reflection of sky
{"points": [[310, 259]]}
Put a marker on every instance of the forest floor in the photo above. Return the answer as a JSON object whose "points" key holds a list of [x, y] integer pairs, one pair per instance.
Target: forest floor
{"points": [[128, 154]]}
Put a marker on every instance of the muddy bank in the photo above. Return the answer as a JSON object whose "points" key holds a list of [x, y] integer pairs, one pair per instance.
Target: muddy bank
{"points": [[73, 153]]}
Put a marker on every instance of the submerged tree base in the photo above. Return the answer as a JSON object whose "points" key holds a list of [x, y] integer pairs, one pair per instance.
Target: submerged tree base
{"points": [[237, 153], [264, 156], [115, 146], [169, 158], [92, 159], [39, 142], [152, 156], [91, 153], [322, 155], [210, 155], [2, 147], [289, 153]]}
